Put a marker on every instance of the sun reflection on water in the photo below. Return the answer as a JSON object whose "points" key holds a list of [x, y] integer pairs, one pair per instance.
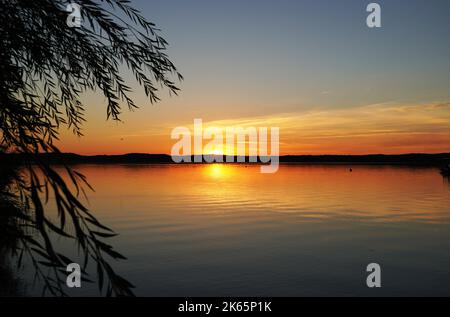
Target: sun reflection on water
{"points": [[218, 171]]}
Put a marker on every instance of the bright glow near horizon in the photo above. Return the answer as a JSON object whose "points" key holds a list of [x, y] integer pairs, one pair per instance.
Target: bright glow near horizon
{"points": [[329, 83]]}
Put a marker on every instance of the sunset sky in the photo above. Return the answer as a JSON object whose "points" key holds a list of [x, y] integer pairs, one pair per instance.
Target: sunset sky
{"points": [[312, 68]]}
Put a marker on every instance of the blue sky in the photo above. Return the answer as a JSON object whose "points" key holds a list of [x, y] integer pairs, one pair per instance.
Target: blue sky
{"points": [[318, 52]]}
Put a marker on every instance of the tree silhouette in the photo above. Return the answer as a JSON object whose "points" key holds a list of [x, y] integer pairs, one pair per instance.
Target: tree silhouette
{"points": [[46, 66]]}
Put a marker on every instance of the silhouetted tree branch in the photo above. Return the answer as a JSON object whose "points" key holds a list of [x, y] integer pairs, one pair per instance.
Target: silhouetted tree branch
{"points": [[45, 68]]}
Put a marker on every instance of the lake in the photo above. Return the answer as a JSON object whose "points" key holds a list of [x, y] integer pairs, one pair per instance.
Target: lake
{"points": [[308, 230]]}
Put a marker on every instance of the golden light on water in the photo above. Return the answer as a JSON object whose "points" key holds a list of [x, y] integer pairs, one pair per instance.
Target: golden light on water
{"points": [[369, 193], [218, 171]]}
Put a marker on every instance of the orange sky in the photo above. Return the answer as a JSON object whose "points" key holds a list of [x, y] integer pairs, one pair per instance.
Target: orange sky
{"points": [[380, 128]]}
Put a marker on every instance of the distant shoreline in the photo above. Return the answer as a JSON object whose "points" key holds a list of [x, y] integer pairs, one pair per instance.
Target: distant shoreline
{"points": [[437, 160]]}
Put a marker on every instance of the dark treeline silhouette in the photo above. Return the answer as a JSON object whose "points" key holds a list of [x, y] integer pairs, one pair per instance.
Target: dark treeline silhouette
{"points": [[397, 159], [438, 160]]}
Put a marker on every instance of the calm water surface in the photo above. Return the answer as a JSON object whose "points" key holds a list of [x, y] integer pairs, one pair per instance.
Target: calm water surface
{"points": [[227, 230]]}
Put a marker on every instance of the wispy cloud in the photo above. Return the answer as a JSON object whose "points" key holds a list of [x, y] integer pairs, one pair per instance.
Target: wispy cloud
{"points": [[388, 127], [378, 128]]}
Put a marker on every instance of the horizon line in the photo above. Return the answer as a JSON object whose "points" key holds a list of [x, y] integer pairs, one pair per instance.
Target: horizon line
{"points": [[284, 155]]}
